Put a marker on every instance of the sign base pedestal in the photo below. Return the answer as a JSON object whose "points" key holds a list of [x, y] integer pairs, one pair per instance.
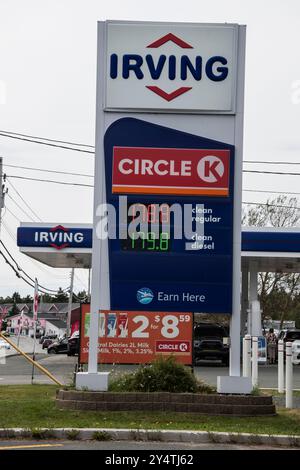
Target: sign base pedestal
{"points": [[97, 381], [232, 384]]}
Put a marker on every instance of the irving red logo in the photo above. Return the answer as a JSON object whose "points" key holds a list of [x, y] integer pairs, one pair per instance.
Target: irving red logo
{"points": [[144, 170]]}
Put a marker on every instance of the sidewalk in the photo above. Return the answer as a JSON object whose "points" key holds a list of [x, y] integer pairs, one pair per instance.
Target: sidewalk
{"points": [[26, 345], [107, 434]]}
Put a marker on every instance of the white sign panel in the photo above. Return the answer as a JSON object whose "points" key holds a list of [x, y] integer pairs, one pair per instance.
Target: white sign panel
{"points": [[171, 67]]}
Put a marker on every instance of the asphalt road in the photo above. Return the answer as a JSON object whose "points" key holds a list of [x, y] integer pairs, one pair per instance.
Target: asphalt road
{"points": [[16, 370], [123, 445]]}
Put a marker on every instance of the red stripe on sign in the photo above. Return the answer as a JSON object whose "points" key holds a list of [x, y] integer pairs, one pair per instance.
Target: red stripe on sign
{"points": [[169, 96], [147, 170], [58, 227], [170, 37], [59, 247]]}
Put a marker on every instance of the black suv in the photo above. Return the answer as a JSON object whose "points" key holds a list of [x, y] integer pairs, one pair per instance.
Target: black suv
{"points": [[59, 347], [73, 344], [208, 342], [289, 335]]}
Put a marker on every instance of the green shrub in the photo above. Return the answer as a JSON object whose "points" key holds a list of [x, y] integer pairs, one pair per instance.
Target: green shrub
{"points": [[256, 391], [72, 434], [205, 388], [163, 375], [122, 383], [101, 436], [37, 433]]}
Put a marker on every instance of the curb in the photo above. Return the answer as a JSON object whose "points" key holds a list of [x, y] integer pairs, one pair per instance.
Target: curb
{"points": [[152, 435]]}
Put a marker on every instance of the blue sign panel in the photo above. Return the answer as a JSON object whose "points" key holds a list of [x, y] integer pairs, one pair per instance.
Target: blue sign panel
{"points": [[156, 167], [58, 237], [271, 241]]}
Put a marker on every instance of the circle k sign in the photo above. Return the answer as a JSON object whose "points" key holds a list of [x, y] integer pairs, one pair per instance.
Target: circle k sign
{"points": [[146, 170]]}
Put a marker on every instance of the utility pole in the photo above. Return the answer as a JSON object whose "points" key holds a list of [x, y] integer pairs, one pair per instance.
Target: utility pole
{"points": [[2, 191], [70, 304], [89, 286]]}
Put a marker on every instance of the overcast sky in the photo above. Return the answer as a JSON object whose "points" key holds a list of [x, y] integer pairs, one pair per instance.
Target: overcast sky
{"points": [[48, 70]]}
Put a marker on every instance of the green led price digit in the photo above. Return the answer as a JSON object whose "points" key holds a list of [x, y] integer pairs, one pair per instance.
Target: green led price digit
{"points": [[151, 241], [164, 241], [143, 237]]}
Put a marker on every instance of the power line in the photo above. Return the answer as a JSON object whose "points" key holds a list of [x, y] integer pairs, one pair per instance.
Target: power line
{"points": [[50, 181], [24, 272], [81, 299], [271, 172], [17, 219], [271, 192], [80, 280], [9, 231], [48, 171], [45, 170], [91, 186], [45, 143], [49, 140], [20, 276], [27, 215], [271, 205], [270, 162], [35, 262], [21, 197]]}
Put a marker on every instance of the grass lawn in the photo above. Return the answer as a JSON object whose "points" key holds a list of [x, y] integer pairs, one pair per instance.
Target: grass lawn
{"points": [[33, 406], [274, 392]]}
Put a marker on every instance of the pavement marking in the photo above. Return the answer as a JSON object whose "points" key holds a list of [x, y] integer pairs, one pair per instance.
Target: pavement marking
{"points": [[31, 446]]}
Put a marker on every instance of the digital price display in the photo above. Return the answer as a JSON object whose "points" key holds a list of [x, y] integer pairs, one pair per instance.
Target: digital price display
{"points": [[172, 224], [153, 231], [149, 212]]}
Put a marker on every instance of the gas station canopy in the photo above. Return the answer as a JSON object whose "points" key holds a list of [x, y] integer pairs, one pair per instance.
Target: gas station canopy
{"points": [[70, 246]]}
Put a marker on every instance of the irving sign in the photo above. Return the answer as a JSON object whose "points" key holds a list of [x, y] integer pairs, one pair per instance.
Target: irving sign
{"points": [[171, 67], [145, 170]]}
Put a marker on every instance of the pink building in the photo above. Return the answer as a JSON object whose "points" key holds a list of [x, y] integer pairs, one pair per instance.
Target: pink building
{"points": [[46, 312]]}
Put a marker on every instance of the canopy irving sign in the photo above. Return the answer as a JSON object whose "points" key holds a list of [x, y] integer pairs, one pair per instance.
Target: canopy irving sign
{"points": [[183, 85], [58, 237]]}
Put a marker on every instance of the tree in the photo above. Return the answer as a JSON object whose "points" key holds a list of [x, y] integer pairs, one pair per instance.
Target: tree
{"points": [[28, 299], [61, 296], [277, 291], [16, 298], [81, 296]]}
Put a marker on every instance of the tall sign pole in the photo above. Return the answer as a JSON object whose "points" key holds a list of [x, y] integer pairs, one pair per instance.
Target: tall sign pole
{"points": [[35, 316], [169, 130], [70, 303], [2, 191]]}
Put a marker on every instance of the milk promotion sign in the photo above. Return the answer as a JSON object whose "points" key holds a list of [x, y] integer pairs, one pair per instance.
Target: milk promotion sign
{"points": [[127, 337], [171, 67]]}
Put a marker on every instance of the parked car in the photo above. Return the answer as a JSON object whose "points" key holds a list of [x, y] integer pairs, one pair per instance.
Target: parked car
{"points": [[4, 344], [209, 343], [296, 352], [289, 335], [47, 337], [47, 342], [59, 347], [73, 342]]}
